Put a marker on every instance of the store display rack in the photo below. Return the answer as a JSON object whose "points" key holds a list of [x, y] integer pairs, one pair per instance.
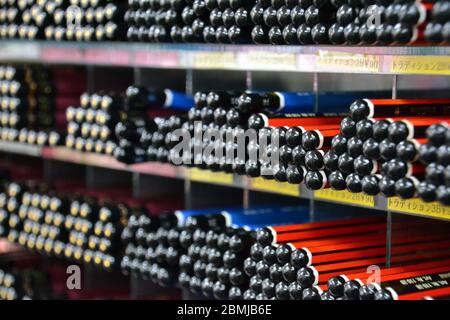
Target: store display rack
{"points": [[405, 60], [419, 60]]}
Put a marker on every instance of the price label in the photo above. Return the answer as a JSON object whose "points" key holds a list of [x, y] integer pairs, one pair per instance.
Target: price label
{"points": [[156, 59], [347, 62], [214, 60], [108, 56], [61, 54], [268, 60], [346, 197], [63, 154], [196, 174], [155, 168], [275, 186], [306, 62], [417, 206], [439, 65]]}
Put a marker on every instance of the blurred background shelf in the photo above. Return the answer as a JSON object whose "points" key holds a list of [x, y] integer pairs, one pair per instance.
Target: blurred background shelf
{"points": [[423, 60]]}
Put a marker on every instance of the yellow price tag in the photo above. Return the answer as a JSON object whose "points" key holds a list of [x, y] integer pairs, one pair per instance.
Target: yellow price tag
{"points": [[439, 65], [343, 61], [345, 196], [417, 206], [196, 174], [214, 60], [275, 186], [268, 60]]}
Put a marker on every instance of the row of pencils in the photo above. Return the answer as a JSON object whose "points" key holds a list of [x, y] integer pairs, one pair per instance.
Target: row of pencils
{"points": [[274, 252], [392, 147]]}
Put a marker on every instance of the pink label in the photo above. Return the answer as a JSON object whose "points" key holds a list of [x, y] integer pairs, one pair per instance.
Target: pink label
{"points": [[74, 156], [159, 169], [104, 161], [108, 56], [161, 58], [55, 54], [62, 154]]}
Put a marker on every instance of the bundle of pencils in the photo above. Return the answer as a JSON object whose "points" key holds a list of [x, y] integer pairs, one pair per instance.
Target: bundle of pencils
{"points": [[377, 149], [280, 254], [411, 281], [435, 157], [315, 261], [202, 250]]}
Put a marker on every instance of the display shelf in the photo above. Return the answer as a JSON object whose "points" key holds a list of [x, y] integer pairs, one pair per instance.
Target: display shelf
{"points": [[411, 207], [425, 60], [104, 161], [21, 148], [170, 171]]}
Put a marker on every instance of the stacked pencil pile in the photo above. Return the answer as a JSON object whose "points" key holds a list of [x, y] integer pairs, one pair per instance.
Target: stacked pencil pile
{"points": [[420, 280], [394, 147], [148, 118], [377, 148], [308, 261], [167, 249], [202, 251], [434, 156], [76, 226], [210, 265], [19, 281], [280, 22], [85, 20], [33, 100], [140, 257], [438, 29], [93, 224], [228, 114], [219, 121], [302, 141], [25, 19], [280, 254], [214, 114], [90, 125], [63, 20], [277, 22], [192, 21]]}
